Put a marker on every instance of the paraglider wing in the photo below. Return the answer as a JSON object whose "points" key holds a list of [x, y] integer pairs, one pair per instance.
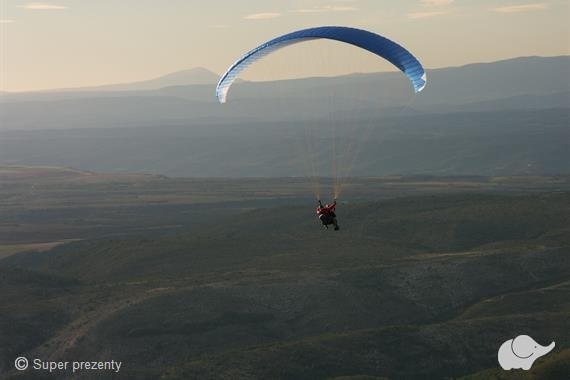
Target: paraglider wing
{"points": [[381, 46]]}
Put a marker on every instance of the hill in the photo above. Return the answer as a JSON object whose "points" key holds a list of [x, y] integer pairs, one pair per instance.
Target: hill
{"points": [[463, 84], [190, 77], [415, 286], [514, 79], [501, 118], [507, 142]]}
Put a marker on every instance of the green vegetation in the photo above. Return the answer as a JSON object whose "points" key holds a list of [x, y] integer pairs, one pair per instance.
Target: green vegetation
{"points": [[217, 279]]}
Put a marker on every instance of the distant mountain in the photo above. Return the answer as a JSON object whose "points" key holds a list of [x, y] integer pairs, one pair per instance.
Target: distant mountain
{"points": [[496, 80], [499, 118], [196, 76], [453, 85], [530, 82]]}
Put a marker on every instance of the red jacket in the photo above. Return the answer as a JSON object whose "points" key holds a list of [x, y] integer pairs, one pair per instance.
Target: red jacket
{"points": [[326, 209]]}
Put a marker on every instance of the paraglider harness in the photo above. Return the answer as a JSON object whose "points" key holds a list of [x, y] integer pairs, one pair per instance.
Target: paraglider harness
{"points": [[327, 215]]}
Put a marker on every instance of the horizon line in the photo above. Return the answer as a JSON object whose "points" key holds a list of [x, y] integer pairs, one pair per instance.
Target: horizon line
{"points": [[94, 86]]}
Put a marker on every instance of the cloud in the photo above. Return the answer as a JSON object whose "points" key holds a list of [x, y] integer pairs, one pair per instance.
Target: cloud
{"points": [[436, 3], [431, 8], [262, 16], [522, 8], [327, 8], [43, 6], [6, 21], [427, 14]]}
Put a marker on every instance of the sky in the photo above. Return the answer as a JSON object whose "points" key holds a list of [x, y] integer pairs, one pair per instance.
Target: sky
{"points": [[75, 43]]}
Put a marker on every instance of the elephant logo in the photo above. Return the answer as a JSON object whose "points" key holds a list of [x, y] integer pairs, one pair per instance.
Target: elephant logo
{"points": [[521, 352]]}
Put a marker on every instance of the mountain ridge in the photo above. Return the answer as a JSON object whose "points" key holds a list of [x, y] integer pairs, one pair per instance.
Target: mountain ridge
{"points": [[200, 76], [193, 76]]}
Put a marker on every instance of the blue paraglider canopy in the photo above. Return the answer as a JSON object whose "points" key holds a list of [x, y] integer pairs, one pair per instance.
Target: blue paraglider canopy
{"points": [[381, 46]]}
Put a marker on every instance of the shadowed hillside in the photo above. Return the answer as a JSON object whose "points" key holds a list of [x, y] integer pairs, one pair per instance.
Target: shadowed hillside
{"points": [[506, 142], [414, 286]]}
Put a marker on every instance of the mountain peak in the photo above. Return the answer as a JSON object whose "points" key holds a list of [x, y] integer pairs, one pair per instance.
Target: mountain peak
{"points": [[197, 75], [194, 76]]}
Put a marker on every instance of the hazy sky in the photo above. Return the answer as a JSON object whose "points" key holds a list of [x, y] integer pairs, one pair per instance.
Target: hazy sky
{"points": [[71, 43]]}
